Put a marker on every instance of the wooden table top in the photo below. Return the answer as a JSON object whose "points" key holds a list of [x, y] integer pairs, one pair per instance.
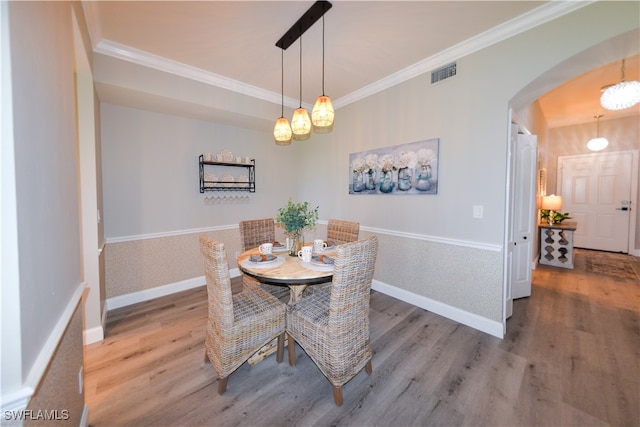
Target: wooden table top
{"points": [[291, 271]]}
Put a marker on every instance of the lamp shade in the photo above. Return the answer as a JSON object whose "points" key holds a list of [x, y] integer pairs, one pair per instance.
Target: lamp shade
{"points": [[621, 96], [597, 144], [552, 203], [322, 115], [301, 124], [282, 132]]}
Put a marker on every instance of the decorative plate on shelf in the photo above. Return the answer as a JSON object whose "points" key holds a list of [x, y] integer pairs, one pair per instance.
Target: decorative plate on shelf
{"points": [[227, 156], [210, 180], [228, 180], [244, 179]]}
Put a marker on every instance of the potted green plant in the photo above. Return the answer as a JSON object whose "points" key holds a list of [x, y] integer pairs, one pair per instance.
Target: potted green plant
{"points": [[557, 217], [295, 217]]}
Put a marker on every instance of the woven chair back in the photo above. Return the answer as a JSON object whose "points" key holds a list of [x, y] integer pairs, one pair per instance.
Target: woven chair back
{"points": [[351, 286], [255, 232], [216, 271], [341, 231]]}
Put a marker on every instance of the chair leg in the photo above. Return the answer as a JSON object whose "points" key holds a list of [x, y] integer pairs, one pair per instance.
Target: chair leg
{"points": [[337, 395], [368, 367], [280, 354], [292, 350], [222, 385]]}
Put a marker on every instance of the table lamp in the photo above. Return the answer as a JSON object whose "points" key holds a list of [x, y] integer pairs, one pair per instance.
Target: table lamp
{"points": [[552, 203]]}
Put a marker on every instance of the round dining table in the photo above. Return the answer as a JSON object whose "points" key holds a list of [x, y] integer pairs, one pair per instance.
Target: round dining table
{"points": [[286, 270]]}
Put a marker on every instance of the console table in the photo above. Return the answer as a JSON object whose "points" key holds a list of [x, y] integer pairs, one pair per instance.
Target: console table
{"points": [[556, 243]]}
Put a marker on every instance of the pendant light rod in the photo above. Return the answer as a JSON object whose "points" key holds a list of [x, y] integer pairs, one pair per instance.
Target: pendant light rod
{"points": [[305, 22], [300, 72], [322, 55], [282, 83]]}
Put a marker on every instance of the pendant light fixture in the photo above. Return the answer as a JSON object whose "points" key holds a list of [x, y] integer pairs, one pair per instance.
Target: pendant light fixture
{"points": [[300, 122], [282, 130], [598, 143], [622, 95], [322, 114]]}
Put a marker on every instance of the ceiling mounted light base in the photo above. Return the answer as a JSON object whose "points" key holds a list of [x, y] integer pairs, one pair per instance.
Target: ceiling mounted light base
{"points": [[305, 22]]}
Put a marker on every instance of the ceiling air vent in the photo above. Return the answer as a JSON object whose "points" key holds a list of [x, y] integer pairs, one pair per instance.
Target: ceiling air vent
{"points": [[443, 73]]}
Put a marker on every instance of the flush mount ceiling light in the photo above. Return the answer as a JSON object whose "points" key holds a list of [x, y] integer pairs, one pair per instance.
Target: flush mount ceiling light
{"points": [[282, 130], [300, 122], [598, 143], [622, 95]]}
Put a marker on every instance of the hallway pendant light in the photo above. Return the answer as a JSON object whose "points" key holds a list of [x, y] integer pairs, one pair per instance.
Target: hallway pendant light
{"points": [[322, 114], [300, 122], [622, 95], [282, 130], [598, 143]]}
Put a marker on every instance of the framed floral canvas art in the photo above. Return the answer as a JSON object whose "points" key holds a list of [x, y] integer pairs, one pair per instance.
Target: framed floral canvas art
{"points": [[400, 170]]}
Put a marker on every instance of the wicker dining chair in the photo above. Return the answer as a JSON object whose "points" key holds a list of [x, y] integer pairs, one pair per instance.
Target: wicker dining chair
{"points": [[333, 328], [253, 233], [238, 324], [340, 231]]}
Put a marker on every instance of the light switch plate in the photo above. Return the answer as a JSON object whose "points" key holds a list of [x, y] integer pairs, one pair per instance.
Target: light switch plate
{"points": [[478, 211]]}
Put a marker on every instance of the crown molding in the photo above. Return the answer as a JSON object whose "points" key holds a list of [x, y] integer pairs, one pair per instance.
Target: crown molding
{"points": [[539, 16], [146, 59]]}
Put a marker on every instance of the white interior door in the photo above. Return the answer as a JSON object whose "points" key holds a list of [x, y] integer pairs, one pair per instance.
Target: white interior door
{"points": [[596, 191], [521, 215], [524, 213]]}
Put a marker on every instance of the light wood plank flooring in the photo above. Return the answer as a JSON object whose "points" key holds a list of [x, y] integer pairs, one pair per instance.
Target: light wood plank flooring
{"points": [[571, 357]]}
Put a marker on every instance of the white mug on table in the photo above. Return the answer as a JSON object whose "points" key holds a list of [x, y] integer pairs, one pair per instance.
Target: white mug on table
{"points": [[265, 248], [319, 245], [305, 253]]}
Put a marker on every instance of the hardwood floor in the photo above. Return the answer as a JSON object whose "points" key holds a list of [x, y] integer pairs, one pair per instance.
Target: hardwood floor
{"points": [[571, 357]]}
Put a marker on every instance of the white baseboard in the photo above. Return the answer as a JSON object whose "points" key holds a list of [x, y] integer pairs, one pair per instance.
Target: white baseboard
{"points": [[474, 321], [160, 291], [92, 335], [16, 401], [84, 420]]}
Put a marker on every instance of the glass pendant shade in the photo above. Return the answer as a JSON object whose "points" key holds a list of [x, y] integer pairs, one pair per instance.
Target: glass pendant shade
{"points": [[322, 115], [620, 96], [282, 132], [597, 144], [282, 129], [301, 124]]}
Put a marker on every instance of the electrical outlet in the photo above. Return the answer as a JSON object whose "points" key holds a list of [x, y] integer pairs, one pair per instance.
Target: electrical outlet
{"points": [[80, 380], [478, 211]]}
